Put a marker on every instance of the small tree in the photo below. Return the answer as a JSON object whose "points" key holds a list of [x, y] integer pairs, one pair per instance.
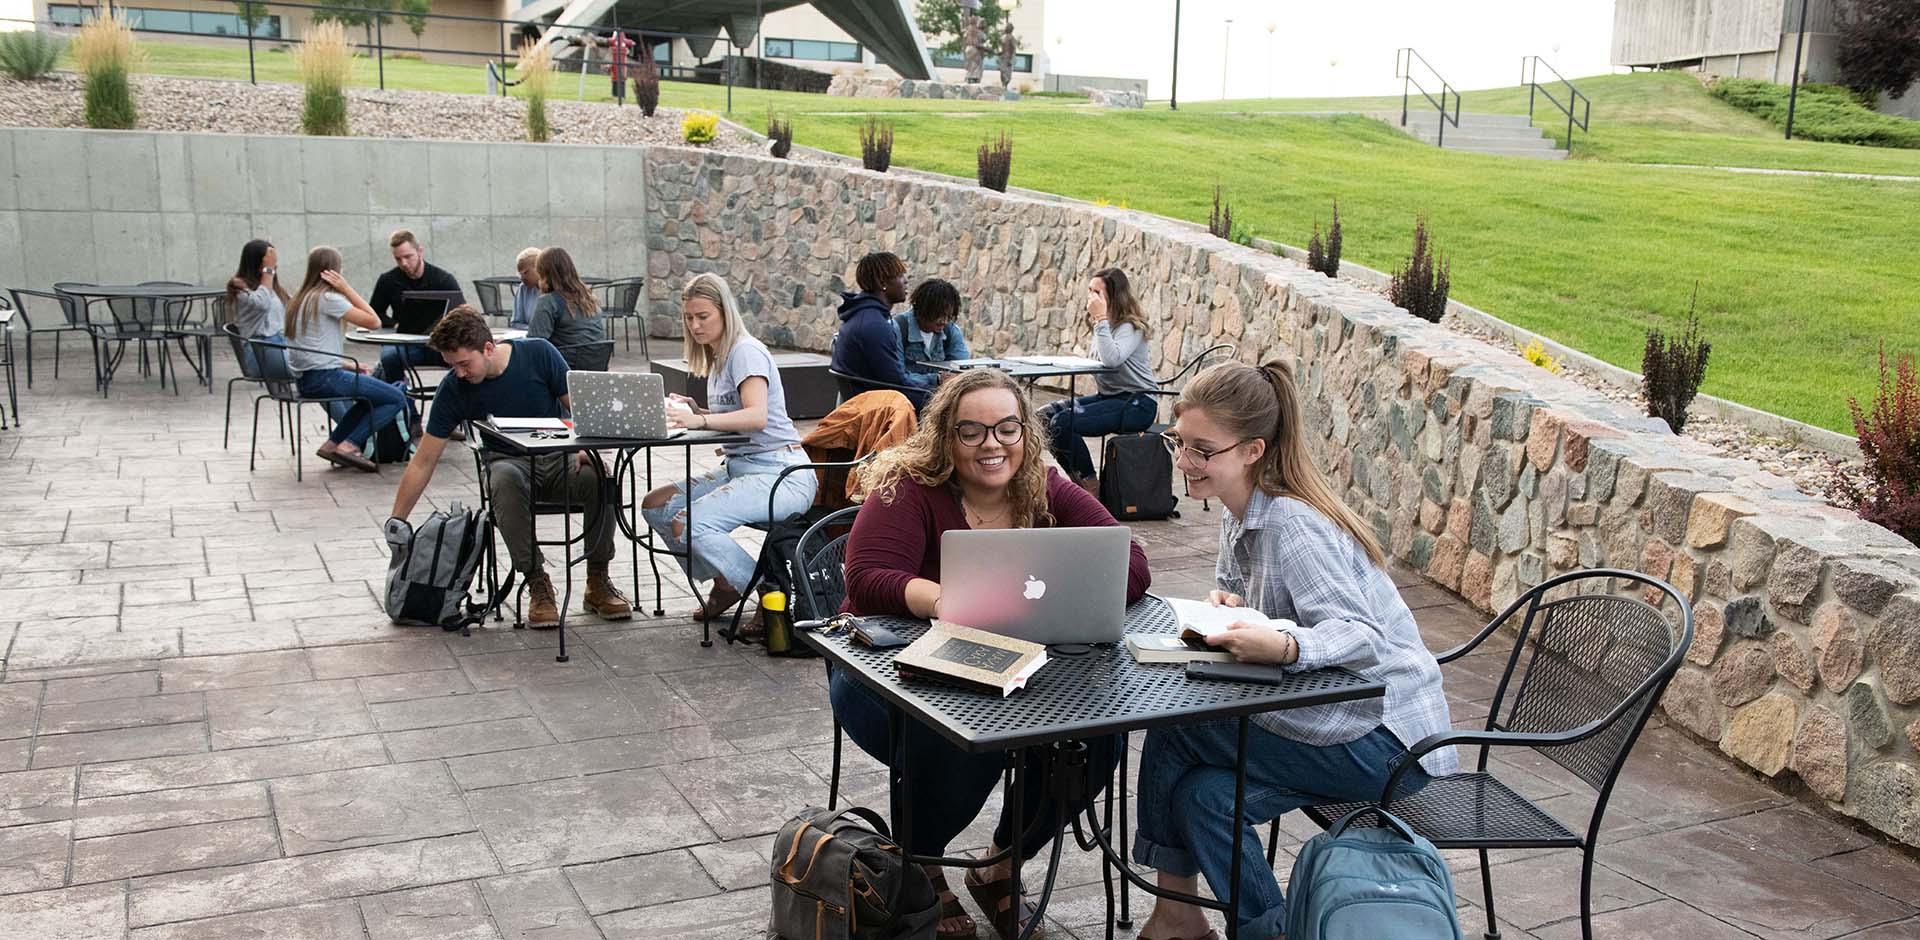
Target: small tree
{"points": [[252, 15], [1672, 369], [1889, 437], [1324, 255], [1220, 223], [536, 75], [325, 60], [1420, 286], [361, 13], [646, 82], [415, 12], [996, 162], [779, 136], [876, 145], [106, 53], [1878, 47]]}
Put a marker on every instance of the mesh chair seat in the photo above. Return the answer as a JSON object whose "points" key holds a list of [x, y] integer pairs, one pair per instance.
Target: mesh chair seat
{"points": [[1467, 810]]}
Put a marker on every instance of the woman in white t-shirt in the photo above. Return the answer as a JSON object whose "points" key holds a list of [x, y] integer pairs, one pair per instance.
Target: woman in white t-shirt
{"points": [[314, 321], [744, 395]]}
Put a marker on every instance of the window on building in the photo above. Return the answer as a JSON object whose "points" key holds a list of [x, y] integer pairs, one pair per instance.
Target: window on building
{"points": [[1022, 61], [196, 22], [818, 50]]}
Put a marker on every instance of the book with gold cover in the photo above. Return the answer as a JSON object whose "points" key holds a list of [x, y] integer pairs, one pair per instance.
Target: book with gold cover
{"points": [[974, 659]]}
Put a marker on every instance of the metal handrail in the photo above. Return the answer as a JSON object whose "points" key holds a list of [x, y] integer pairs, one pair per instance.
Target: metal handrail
{"points": [[1530, 78], [1403, 59]]}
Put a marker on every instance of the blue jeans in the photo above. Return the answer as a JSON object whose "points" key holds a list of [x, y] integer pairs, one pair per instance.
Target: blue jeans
{"points": [[1185, 811], [249, 364], [358, 423], [394, 360], [732, 496], [1093, 416], [947, 785]]}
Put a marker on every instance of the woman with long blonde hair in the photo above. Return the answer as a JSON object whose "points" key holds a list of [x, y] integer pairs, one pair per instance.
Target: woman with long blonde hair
{"points": [[314, 330], [1123, 400], [973, 463], [1292, 550], [744, 395]]}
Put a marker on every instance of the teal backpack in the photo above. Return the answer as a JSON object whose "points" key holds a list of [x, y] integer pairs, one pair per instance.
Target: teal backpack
{"points": [[1353, 883]]}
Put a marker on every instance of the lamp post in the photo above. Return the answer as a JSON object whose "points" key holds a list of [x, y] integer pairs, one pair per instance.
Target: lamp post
{"points": [[1173, 99], [1226, 45], [1799, 41]]}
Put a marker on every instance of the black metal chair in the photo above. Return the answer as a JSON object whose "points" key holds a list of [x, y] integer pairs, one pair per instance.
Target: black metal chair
{"points": [[197, 320], [851, 385], [59, 313], [1167, 391], [135, 320], [1584, 675], [495, 295], [834, 472], [620, 300], [589, 357], [249, 372], [283, 386], [822, 559], [496, 585], [12, 405]]}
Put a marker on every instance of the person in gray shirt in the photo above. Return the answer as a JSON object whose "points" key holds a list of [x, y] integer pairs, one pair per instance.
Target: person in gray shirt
{"points": [[259, 302], [314, 319], [1122, 402], [527, 292], [567, 315]]}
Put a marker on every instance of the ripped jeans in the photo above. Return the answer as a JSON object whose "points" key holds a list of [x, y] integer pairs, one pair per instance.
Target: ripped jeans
{"points": [[725, 499]]}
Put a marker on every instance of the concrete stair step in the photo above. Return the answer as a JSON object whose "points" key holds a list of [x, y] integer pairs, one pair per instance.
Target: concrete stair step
{"points": [[1509, 152], [1474, 139], [1476, 130], [1473, 118]]}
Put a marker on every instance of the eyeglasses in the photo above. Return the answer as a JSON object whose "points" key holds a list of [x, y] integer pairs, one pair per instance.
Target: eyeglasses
{"points": [[974, 434], [1198, 456]]}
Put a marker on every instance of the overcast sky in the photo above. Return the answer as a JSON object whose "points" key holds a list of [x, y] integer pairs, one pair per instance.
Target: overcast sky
{"points": [[1342, 47]]}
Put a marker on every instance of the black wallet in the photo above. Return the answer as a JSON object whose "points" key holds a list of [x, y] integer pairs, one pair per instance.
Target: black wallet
{"points": [[876, 636], [1260, 673]]}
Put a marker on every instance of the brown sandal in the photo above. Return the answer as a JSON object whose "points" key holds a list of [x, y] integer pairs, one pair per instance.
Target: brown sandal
{"points": [[716, 606], [996, 899], [951, 909]]}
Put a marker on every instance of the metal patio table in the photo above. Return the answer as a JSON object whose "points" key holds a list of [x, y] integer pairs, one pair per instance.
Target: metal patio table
{"points": [[168, 308], [532, 445], [1075, 697], [1029, 373], [387, 336]]}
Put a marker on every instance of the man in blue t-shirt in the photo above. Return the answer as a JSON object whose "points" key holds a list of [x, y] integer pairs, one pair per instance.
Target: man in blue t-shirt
{"points": [[522, 379]]}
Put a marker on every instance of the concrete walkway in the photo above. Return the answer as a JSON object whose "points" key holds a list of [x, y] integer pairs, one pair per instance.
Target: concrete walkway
{"points": [[208, 730]]}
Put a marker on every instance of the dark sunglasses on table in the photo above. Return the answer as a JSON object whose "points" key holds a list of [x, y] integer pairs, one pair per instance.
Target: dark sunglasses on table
{"points": [[974, 434], [1197, 455]]}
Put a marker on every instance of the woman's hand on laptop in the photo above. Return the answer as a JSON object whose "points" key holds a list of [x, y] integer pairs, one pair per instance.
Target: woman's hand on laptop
{"points": [[1225, 599]]}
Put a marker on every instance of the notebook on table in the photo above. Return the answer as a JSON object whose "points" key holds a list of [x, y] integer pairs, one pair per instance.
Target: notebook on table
{"points": [[1047, 586], [619, 404]]}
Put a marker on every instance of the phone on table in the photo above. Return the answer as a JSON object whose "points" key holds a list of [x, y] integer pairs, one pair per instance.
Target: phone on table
{"points": [[1260, 673]]}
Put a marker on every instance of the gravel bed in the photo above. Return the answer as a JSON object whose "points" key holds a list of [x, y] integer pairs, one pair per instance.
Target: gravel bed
{"points": [[229, 107]]}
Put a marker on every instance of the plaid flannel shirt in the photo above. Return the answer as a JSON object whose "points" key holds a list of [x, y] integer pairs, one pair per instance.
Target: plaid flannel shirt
{"points": [[1287, 560]]}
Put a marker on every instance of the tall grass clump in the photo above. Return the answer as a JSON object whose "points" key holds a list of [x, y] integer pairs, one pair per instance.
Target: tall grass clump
{"points": [[1672, 368], [646, 82], [779, 136], [876, 145], [29, 54], [106, 53], [536, 75], [1420, 286], [325, 60], [1323, 255], [996, 162], [1220, 223]]}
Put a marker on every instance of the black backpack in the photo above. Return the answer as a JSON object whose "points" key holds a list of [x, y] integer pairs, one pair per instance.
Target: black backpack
{"points": [[1136, 478], [780, 567], [392, 442], [839, 876]]}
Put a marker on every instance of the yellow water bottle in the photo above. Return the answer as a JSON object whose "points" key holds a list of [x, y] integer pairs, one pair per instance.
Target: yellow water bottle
{"points": [[778, 623]]}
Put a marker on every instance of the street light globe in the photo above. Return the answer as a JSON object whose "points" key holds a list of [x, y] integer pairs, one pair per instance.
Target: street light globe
{"points": [[1271, 26]]}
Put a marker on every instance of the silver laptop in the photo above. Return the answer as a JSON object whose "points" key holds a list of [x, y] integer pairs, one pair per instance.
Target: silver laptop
{"points": [[1044, 585], [619, 404]]}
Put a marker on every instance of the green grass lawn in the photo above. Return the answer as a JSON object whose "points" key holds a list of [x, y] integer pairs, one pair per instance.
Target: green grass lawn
{"points": [[1801, 279]]}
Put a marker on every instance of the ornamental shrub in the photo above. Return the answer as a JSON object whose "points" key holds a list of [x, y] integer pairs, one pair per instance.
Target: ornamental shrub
{"points": [[325, 60], [1420, 286], [28, 54], [700, 128], [1672, 369], [1889, 437], [107, 55], [996, 163]]}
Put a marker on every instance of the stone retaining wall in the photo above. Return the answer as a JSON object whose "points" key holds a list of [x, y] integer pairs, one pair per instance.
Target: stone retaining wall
{"points": [[860, 86], [1105, 98], [1484, 473]]}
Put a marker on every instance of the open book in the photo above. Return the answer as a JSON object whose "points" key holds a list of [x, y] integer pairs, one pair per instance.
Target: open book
{"points": [[1199, 619], [1060, 362], [973, 659]]}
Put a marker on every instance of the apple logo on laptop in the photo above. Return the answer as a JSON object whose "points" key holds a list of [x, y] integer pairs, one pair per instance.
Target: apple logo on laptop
{"points": [[617, 405], [1035, 590]]}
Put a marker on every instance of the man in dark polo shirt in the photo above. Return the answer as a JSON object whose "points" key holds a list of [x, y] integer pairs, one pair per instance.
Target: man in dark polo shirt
{"points": [[410, 272], [525, 378]]}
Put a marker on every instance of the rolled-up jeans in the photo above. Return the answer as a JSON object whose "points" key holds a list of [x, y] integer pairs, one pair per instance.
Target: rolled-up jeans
{"points": [[556, 478], [1185, 811], [1070, 421], [727, 498]]}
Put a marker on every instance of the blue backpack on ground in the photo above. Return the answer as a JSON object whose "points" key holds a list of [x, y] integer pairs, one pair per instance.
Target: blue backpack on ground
{"points": [[1353, 883]]}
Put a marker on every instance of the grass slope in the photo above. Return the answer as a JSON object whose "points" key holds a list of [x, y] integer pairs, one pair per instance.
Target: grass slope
{"points": [[1801, 278]]}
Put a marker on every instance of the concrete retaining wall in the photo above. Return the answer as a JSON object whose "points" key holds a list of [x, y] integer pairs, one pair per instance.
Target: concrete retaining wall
{"points": [[118, 206], [1484, 473]]}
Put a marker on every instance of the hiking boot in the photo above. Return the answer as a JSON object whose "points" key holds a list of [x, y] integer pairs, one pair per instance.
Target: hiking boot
{"points": [[543, 611], [604, 600]]}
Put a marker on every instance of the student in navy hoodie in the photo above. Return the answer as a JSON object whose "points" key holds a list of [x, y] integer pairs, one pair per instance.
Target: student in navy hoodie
{"points": [[868, 344]]}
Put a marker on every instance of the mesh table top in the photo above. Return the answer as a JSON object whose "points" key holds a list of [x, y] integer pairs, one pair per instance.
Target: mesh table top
{"points": [[1101, 692]]}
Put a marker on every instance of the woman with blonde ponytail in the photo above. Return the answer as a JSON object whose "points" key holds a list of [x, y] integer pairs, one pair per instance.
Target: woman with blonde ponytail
{"points": [[1292, 549]]}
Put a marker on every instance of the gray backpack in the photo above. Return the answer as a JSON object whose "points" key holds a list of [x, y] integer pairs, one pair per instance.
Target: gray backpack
{"points": [[838, 876], [432, 566]]}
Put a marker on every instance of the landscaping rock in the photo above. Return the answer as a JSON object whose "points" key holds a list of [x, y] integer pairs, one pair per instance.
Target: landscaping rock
{"points": [[1743, 674], [1865, 584], [1886, 795], [1747, 617], [1476, 580], [1836, 643], [1820, 754], [1656, 559], [1794, 577], [1709, 630], [1750, 552], [1895, 645], [1689, 700], [1543, 439], [1711, 516], [1761, 734], [1867, 717]]}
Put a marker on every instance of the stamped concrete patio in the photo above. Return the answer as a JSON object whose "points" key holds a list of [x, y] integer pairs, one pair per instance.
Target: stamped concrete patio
{"points": [[208, 729]]}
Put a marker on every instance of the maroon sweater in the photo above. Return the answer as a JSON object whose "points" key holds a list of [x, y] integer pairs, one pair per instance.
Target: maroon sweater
{"points": [[894, 542]]}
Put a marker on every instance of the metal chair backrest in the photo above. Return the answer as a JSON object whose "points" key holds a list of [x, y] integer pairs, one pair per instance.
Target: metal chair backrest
{"points": [[1193, 365], [1598, 661], [588, 357], [622, 297], [275, 370], [822, 558], [72, 313], [491, 294], [243, 353]]}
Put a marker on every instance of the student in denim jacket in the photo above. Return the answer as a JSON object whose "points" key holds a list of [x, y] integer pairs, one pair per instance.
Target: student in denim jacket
{"points": [[928, 333]]}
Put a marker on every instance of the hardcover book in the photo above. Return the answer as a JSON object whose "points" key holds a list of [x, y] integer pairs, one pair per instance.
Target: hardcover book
{"points": [[973, 659], [1199, 619], [1169, 648]]}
